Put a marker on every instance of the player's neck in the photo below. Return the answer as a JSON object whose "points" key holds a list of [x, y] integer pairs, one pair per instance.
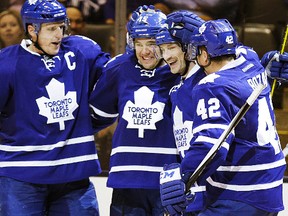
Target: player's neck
{"points": [[216, 66], [33, 48]]}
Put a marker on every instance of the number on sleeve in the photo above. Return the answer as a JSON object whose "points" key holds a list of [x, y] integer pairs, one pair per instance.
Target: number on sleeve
{"points": [[211, 111], [201, 109], [266, 132]]}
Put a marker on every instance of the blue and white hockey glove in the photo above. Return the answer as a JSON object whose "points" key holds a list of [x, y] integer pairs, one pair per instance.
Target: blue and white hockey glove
{"points": [[136, 13], [182, 24], [276, 65], [172, 190]]}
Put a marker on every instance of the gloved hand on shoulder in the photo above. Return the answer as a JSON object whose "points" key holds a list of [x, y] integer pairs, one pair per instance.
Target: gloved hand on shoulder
{"points": [[136, 13], [276, 65], [173, 190]]}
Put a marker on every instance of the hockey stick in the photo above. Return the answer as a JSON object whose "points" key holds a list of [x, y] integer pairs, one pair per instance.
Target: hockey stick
{"points": [[281, 52], [285, 150], [213, 151]]}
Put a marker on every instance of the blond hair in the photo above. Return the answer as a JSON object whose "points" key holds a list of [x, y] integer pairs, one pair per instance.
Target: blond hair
{"points": [[16, 14]]}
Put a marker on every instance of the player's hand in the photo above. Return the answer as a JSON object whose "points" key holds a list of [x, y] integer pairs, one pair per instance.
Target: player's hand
{"points": [[136, 13], [182, 24], [172, 190], [276, 65]]}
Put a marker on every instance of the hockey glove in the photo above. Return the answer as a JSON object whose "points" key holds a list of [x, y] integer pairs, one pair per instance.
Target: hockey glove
{"points": [[136, 14], [182, 24], [130, 24], [276, 65], [172, 190]]}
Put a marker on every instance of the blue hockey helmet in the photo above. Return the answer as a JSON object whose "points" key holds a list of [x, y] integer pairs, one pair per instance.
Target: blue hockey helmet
{"points": [[164, 36], [37, 12], [218, 36], [183, 24], [148, 24]]}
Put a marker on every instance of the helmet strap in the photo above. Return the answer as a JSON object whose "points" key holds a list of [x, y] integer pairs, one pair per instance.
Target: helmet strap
{"points": [[36, 44]]}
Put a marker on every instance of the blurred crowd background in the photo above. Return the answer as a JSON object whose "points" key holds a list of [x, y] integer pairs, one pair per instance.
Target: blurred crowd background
{"points": [[252, 18]]}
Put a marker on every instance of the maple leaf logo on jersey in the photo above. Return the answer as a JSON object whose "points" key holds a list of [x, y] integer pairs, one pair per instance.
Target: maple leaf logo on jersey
{"points": [[31, 2], [58, 107], [210, 78], [182, 131], [143, 114], [202, 28]]}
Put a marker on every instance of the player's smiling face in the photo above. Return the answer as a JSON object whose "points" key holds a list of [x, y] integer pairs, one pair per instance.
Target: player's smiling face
{"points": [[50, 36], [174, 56], [144, 48]]}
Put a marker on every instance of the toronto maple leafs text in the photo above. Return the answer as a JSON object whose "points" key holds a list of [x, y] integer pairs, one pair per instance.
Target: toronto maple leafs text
{"points": [[59, 108], [142, 116]]}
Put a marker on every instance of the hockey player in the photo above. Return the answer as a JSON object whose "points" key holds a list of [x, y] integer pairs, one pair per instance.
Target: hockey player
{"points": [[135, 88], [183, 24], [47, 150], [174, 52], [250, 165]]}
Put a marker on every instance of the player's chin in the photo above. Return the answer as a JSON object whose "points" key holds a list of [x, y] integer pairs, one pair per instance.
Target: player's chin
{"points": [[53, 51], [174, 68], [174, 71]]}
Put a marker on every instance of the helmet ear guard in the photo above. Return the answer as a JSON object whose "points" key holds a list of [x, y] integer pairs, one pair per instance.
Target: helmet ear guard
{"points": [[129, 41], [192, 52]]}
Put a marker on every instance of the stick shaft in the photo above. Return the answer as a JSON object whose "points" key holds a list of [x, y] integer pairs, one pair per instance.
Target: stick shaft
{"points": [[213, 151], [281, 52]]}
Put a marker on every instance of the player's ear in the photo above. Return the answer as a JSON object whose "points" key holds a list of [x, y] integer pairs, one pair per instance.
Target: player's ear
{"points": [[203, 56], [31, 31], [204, 52]]}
